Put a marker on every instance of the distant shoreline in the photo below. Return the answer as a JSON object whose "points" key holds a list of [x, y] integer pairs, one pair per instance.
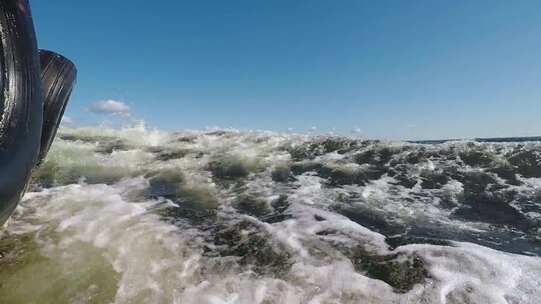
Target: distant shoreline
{"points": [[484, 140]]}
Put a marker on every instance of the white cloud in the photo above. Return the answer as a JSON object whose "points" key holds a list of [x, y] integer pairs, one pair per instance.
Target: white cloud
{"points": [[357, 130], [110, 107], [66, 120]]}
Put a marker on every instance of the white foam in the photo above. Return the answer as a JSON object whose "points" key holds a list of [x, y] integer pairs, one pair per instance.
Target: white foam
{"points": [[153, 261], [476, 274]]}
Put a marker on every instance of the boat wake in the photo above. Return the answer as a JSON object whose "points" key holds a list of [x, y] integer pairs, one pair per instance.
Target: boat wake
{"points": [[141, 216]]}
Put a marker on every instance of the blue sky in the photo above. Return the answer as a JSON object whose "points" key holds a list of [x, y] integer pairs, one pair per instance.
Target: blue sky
{"points": [[392, 69]]}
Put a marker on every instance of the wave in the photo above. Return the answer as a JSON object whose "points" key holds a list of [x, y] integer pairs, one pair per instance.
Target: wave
{"points": [[146, 216]]}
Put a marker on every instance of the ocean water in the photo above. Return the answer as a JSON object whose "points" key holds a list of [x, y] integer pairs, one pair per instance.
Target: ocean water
{"points": [[145, 216]]}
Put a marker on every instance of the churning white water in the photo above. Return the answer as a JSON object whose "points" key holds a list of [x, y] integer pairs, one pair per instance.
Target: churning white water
{"points": [[139, 216]]}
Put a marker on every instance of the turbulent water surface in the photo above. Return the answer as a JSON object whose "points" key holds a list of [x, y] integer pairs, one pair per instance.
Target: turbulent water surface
{"points": [[138, 216]]}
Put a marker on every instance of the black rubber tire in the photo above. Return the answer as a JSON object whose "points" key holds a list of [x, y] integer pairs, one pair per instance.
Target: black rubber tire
{"points": [[58, 76], [21, 107]]}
